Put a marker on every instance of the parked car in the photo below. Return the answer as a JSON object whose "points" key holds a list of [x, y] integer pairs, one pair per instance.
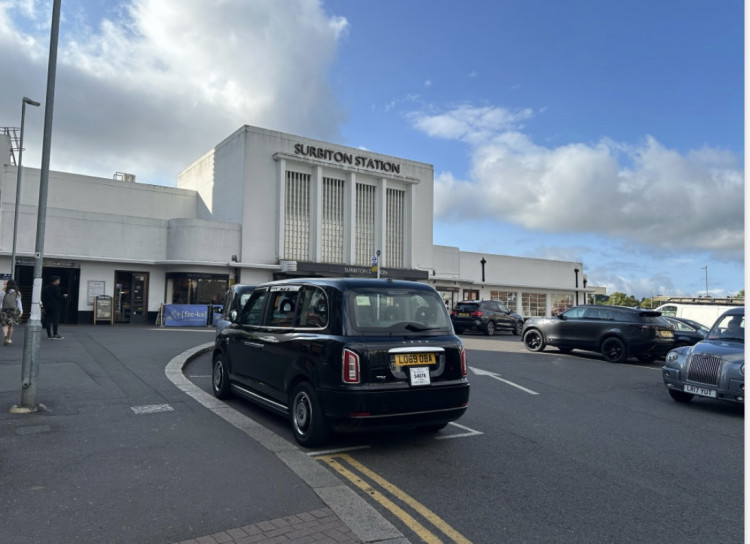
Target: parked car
{"points": [[616, 332], [234, 300], [713, 368], [345, 354], [686, 331], [486, 316]]}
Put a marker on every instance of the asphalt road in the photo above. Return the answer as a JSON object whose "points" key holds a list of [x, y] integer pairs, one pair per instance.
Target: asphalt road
{"points": [[554, 448]]}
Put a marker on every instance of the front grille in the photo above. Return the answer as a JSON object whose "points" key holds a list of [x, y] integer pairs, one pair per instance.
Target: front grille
{"points": [[704, 368]]}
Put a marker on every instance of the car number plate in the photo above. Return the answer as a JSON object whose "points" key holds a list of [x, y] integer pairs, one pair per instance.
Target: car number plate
{"points": [[702, 391], [409, 359], [463, 314], [419, 375]]}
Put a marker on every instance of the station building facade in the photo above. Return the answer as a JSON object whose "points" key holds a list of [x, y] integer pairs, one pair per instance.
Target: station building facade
{"points": [[260, 205]]}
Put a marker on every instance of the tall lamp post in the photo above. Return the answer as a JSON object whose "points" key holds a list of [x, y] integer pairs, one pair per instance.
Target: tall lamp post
{"points": [[30, 102], [706, 269]]}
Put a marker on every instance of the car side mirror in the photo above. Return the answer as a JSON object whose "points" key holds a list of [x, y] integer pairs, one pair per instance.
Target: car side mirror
{"points": [[233, 315]]}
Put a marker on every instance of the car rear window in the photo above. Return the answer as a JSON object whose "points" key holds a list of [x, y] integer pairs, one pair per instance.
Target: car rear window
{"points": [[396, 310], [467, 306]]}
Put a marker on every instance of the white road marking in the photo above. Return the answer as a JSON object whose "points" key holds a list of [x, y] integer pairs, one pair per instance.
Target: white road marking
{"points": [[480, 372]]}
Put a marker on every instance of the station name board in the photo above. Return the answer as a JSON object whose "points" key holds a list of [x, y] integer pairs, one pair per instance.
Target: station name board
{"points": [[346, 158]]}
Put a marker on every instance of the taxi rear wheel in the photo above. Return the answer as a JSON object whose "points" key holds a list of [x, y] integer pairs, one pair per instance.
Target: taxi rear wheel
{"points": [[308, 421], [220, 378]]}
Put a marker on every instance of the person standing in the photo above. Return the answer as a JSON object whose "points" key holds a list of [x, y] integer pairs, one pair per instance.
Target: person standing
{"points": [[10, 310], [52, 302]]}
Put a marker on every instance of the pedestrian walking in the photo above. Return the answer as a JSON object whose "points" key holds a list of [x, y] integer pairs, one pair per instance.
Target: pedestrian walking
{"points": [[11, 310], [52, 303]]}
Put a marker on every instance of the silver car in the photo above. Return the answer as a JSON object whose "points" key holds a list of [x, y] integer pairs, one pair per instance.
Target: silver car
{"points": [[713, 368]]}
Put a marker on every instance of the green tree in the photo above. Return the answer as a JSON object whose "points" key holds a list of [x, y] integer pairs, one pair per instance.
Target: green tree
{"points": [[621, 299], [741, 294]]}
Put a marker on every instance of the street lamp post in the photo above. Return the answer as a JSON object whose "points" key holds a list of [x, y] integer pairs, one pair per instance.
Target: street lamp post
{"points": [[32, 338], [30, 102], [706, 269]]}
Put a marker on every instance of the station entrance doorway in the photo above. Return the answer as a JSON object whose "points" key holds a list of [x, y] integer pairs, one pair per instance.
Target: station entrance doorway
{"points": [[131, 297]]}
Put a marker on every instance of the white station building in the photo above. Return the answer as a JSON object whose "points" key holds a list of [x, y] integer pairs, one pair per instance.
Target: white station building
{"points": [[260, 205]]}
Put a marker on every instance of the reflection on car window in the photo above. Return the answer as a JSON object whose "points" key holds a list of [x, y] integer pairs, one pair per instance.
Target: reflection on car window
{"points": [[252, 312], [574, 313], [729, 327], [313, 308], [281, 311], [397, 309]]}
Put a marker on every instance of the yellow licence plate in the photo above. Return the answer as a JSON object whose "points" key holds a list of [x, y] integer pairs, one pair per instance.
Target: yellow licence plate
{"points": [[409, 359]]}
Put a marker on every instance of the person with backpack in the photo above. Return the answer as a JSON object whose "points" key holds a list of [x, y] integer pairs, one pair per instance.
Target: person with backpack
{"points": [[10, 310]]}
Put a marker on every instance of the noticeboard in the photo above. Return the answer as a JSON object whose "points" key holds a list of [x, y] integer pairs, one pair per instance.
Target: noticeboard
{"points": [[103, 309]]}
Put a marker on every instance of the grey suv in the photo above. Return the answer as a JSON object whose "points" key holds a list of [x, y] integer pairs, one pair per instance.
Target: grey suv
{"points": [[486, 316], [616, 332]]}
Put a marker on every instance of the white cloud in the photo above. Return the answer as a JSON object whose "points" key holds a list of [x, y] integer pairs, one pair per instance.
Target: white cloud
{"points": [[159, 82], [645, 193]]}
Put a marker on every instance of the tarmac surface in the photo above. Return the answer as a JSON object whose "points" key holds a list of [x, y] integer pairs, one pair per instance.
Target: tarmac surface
{"points": [[121, 447]]}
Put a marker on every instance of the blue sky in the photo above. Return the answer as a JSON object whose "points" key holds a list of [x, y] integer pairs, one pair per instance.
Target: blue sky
{"points": [[606, 132]]}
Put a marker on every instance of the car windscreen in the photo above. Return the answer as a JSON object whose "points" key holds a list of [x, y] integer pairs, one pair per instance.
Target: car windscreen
{"points": [[396, 310], [729, 327]]}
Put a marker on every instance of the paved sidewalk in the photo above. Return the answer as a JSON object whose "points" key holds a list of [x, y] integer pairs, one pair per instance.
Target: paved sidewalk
{"points": [[117, 453]]}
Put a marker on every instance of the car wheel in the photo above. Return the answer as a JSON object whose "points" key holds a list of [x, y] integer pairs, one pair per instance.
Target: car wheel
{"points": [[308, 422], [613, 350], [533, 340], [518, 328], [680, 396], [489, 330], [220, 378]]}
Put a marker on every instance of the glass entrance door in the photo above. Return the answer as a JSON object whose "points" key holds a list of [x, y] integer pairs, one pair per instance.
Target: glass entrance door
{"points": [[131, 296]]}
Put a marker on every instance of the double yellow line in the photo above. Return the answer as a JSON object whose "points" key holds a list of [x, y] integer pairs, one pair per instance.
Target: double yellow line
{"points": [[340, 462]]}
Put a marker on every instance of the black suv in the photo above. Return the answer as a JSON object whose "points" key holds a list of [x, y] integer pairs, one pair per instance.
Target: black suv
{"points": [[345, 354], [616, 332], [486, 316]]}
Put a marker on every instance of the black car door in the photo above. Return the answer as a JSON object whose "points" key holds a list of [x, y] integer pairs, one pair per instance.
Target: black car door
{"points": [[244, 339]]}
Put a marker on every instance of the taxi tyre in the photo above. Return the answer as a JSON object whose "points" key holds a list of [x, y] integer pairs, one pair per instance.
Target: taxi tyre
{"points": [[680, 396], [614, 350], [533, 340], [220, 378], [308, 421]]}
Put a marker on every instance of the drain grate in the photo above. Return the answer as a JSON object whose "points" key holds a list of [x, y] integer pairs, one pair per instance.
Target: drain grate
{"points": [[151, 409]]}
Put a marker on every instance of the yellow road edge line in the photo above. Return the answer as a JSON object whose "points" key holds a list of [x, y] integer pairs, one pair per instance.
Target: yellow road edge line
{"points": [[425, 512], [410, 522]]}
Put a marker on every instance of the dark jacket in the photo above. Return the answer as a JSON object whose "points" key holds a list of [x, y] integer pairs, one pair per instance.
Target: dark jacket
{"points": [[52, 298]]}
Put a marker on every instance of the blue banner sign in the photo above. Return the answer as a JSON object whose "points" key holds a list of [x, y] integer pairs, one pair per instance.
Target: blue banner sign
{"points": [[185, 315]]}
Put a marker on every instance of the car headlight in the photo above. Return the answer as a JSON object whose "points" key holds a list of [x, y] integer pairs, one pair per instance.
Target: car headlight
{"points": [[672, 357]]}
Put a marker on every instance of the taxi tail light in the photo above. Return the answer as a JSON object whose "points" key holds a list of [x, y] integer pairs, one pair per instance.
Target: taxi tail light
{"points": [[464, 367], [350, 367]]}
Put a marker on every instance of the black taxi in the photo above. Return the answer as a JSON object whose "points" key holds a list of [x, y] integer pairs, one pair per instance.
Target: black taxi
{"points": [[345, 354]]}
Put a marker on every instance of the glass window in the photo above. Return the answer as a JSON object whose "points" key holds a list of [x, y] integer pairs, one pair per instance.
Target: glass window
{"points": [[394, 309], [297, 217], [534, 304], [252, 313], [283, 307], [313, 308], [198, 288], [575, 313]]}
